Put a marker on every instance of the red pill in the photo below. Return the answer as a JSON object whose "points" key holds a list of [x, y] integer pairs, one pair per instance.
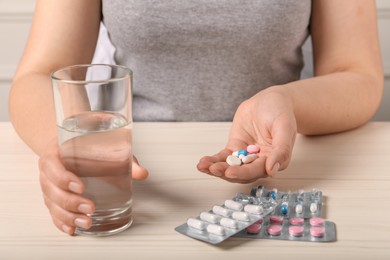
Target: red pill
{"points": [[317, 231], [253, 229], [278, 220], [295, 231], [316, 222], [297, 221], [274, 230]]}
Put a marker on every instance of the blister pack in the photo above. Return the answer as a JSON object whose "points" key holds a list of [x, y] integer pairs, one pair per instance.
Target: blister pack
{"points": [[300, 204], [264, 214], [224, 221], [277, 227], [297, 217]]}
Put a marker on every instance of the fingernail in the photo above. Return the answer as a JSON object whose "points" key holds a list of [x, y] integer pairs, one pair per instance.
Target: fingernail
{"points": [[66, 229], [85, 208], [275, 169], [75, 187], [80, 222]]}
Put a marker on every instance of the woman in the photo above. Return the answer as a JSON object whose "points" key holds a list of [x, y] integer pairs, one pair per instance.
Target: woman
{"points": [[205, 61]]}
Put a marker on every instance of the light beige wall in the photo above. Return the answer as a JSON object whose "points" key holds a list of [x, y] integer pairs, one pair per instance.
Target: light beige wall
{"points": [[15, 19]]}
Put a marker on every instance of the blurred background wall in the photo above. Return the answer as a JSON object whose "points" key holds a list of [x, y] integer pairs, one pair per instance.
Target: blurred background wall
{"points": [[15, 20]]}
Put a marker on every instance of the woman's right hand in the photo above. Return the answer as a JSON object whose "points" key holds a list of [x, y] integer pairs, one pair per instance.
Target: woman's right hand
{"points": [[62, 191]]}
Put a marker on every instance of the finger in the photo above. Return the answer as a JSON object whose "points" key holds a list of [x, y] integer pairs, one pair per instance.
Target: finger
{"points": [[61, 217], [52, 167], [247, 172], [206, 162], [283, 139], [69, 201], [137, 171]]}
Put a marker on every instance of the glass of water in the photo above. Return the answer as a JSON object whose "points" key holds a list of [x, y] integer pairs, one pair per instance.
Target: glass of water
{"points": [[93, 105]]}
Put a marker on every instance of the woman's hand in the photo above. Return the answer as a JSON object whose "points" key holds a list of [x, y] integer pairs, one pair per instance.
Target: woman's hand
{"points": [[266, 120], [62, 191]]}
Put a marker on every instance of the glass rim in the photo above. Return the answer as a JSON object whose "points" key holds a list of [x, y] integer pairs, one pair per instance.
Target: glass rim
{"points": [[128, 73]]}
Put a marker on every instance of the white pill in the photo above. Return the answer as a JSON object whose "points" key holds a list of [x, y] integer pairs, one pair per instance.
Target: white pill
{"points": [[229, 223], [222, 211], [239, 215], [235, 153], [313, 207], [196, 223], [241, 156], [233, 160], [231, 204], [216, 230], [206, 216], [254, 209], [249, 158], [298, 209]]}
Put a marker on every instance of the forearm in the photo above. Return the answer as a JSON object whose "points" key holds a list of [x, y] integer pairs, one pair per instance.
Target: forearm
{"points": [[32, 111], [334, 102]]}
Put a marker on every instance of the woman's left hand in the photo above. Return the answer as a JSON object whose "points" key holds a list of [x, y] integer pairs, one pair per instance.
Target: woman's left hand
{"points": [[266, 120]]}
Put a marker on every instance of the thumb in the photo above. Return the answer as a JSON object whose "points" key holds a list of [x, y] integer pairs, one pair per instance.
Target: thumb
{"points": [[283, 139], [137, 171]]}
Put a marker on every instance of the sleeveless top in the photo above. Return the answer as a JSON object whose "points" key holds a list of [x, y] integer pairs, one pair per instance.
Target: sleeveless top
{"points": [[197, 60]]}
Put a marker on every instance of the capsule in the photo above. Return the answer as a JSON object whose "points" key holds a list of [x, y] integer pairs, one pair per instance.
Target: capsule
{"points": [[299, 208], [239, 215], [196, 223], [211, 218], [254, 209], [229, 223], [216, 230], [222, 211], [234, 205]]}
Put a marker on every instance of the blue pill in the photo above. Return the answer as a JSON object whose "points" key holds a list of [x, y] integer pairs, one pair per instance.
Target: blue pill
{"points": [[284, 209], [243, 152]]}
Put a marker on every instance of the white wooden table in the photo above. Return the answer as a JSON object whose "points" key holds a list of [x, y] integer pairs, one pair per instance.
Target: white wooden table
{"points": [[352, 170]]}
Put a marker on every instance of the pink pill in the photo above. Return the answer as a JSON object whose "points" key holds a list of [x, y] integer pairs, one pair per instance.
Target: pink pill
{"points": [[296, 221], [253, 229], [317, 231], [253, 148], [274, 230], [277, 220], [316, 222], [295, 231], [260, 221]]}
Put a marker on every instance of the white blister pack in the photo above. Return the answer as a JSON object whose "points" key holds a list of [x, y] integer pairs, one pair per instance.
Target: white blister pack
{"points": [[224, 221]]}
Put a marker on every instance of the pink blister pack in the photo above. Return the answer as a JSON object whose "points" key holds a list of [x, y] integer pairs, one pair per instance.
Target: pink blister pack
{"points": [[264, 214]]}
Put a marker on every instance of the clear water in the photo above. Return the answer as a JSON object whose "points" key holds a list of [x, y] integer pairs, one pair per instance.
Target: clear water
{"points": [[96, 146]]}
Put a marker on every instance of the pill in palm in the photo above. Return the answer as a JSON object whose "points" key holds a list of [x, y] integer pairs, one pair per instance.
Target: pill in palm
{"points": [[206, 216], [240, 215], [233, 160], [249, 158], [231, 204], [222, 211], [253, 209], [242, 152], [253, 148], [196, 223]]}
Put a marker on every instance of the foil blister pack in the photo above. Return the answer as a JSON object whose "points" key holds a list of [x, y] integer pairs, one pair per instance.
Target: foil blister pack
{"points": [[264, 214], [224, 221]]}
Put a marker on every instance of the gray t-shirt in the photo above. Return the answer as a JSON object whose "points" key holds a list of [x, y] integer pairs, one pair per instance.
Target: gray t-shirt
{"points": [[197, 60]]}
